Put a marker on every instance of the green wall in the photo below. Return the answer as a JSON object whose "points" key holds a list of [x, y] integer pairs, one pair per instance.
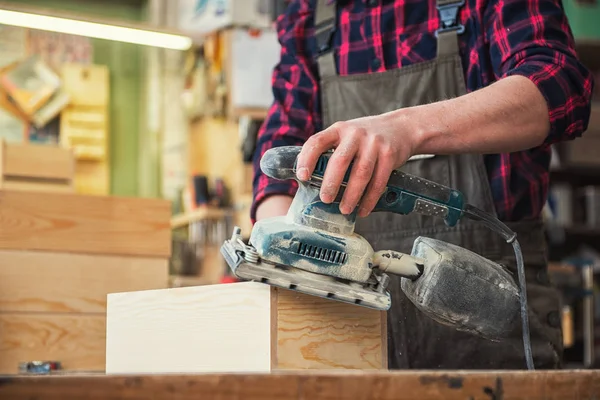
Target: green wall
{"points": [[125, 62], [584, 19]]}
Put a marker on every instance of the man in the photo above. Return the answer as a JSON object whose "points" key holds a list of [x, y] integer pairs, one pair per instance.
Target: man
{"points": [[484, 86]]}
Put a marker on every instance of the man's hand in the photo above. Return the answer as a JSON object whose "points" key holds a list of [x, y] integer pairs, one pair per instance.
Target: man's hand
{"points": [[506, 116], [377, 144], [273, 206]]}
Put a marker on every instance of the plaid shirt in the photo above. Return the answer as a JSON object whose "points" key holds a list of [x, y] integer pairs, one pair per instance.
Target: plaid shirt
{"points": [[502, 37]]}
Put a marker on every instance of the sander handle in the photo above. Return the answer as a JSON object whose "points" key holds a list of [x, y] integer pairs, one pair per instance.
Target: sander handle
{"points": [[404, 194]]}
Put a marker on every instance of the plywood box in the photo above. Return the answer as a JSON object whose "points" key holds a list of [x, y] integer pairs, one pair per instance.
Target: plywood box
{"points": [[61, 254], [239, 327]]}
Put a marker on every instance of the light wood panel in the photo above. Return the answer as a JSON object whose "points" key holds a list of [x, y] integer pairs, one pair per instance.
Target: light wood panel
{"points": [[86, 84], [85, 125], [92, 178], [315, 385], [239, 327], [191, 329], [84, 224], [77, 341], [72, 283]]}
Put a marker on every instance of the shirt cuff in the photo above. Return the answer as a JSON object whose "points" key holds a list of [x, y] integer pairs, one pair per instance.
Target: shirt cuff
{"points": [[272, 187], [568, 100]]}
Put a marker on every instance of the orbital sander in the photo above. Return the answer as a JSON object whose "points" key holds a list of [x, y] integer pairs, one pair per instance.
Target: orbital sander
{"points": [[314, 249]]}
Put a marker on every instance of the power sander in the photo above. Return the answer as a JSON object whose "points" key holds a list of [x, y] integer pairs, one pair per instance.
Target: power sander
{"points": [[314, 249]]}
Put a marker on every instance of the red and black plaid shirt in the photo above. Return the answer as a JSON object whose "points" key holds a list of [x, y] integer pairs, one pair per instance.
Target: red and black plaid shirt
{"points": [[502, 38]]}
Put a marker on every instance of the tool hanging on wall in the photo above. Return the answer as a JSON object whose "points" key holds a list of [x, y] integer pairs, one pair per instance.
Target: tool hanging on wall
{"points": [[248, 128]]}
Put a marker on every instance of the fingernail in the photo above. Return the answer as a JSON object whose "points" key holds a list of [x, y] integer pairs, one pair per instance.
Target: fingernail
{"points": [[362, 212], [345, 209], [302, 173]]}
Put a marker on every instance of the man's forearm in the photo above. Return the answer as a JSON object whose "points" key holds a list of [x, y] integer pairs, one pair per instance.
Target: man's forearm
{"points": [[509, 115]]}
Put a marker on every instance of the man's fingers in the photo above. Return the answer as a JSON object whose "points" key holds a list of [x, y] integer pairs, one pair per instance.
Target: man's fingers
{"points": [[377, 185], [361, 173], [337, 166], [316, 145]]}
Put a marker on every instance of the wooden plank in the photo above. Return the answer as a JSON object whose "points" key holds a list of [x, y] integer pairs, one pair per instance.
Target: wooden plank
{"points": [[77, 341], [321, 385], [85, 224], [37, 161], [239, 327], [72, 283]]}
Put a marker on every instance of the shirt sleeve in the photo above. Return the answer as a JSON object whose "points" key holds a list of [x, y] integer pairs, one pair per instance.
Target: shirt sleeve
{"points": [[532, 38], [294, 115]]}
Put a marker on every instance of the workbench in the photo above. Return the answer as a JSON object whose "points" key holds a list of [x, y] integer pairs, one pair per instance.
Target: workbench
{"points": [[313, 385]]}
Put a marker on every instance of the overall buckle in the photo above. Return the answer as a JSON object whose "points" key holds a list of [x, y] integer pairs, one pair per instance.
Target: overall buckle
{"points": [[449, 18], [325, 40]]}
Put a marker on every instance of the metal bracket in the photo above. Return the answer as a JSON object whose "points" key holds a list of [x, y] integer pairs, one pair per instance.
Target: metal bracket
{"points": [[449, 18]]}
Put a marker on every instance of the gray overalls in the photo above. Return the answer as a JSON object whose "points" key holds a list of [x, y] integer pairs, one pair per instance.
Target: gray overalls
{"points": [[415, 341]]}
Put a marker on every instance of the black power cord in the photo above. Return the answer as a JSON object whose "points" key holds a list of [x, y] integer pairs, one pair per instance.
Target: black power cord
{"points": [[510, 237]]}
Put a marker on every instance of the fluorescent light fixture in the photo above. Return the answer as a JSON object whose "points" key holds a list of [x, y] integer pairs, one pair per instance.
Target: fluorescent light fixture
{"points": [[95, 30]]}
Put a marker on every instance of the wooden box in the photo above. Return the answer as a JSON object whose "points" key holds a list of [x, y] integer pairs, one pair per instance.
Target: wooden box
{"points": [[36, 167], [239, 327], [60, 256]]}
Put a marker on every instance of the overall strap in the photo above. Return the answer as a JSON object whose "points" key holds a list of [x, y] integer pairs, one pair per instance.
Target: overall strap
{"points": [[325, 26], [450, 27]]}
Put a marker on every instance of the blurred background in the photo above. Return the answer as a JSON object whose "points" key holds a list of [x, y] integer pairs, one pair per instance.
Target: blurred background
{"points": [[163, 99]]}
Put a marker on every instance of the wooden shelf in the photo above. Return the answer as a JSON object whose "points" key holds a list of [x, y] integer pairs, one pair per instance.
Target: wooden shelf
{"points": [[200, 214]]}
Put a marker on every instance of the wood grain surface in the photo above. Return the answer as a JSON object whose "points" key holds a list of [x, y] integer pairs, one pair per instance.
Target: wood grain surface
{"points": [[321, 385], [314, 333], [37, 281], [78, 341], [84, 224], [239, 327]]}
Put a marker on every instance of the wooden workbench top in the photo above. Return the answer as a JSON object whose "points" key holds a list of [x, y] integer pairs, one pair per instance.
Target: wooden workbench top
{"points": [[339, 385]]}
